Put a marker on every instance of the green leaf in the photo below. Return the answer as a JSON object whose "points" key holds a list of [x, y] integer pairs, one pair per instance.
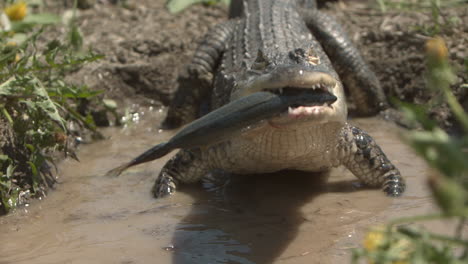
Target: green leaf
{"points": [[33, 168], [175, 6], [41, 19], [46, 104], [6, 88], [416, 114], [52, 45], [110, 104], [441, 151], [7, 115], [32, 20], [6, 184], [11, 168], [75, 38], [30, 147], [18, 38]]}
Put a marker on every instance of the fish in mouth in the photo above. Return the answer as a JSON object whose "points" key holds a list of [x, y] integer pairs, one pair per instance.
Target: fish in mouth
{"points": [[319, 106], [328, 103], [322, 99]]}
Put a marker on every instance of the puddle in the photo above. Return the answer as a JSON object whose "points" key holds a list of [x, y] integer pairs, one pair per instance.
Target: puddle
{"points": [[286, 217]]}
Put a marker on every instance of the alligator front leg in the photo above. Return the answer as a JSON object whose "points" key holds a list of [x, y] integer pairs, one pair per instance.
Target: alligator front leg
{"points": [[195, 83], [185, 167], [355, 73], [366, 160]]}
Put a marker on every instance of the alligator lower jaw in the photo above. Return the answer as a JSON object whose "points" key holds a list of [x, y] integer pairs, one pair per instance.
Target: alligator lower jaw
{"points": [[320, 109], [308, 111], [316, 114]]}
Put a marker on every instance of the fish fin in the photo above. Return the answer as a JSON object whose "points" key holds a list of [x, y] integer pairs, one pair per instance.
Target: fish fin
{"points": [[115, 172]]}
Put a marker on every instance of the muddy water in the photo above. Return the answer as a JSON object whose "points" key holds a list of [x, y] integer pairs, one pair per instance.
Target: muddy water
{"points": [[277, 218]]}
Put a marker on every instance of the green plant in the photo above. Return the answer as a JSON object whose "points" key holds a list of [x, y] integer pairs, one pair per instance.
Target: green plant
{"points": [[36, 109], [398, 243]]}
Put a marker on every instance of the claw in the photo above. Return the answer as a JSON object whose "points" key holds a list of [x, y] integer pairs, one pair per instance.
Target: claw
{"points": [[394, 189], [164, 186]]}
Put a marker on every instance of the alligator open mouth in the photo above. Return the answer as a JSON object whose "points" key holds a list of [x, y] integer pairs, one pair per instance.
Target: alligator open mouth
{"points": [[321, 92], [316, 99], [315, 96]]}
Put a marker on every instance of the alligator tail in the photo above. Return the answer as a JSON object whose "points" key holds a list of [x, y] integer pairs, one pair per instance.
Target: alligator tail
{"points": [[153, 153]]}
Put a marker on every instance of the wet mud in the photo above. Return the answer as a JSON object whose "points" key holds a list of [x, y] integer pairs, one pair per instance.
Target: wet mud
{"points": [[286, 217]]}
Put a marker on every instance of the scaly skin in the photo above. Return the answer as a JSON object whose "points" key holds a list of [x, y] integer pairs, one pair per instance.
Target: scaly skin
{"points": [[269, 45]]}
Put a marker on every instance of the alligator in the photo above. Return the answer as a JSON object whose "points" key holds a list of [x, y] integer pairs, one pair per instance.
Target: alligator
{"points": [[284, 47]]}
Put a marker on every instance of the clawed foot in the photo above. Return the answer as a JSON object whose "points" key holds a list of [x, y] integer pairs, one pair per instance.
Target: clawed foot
{"points": [[394, 185], [165, 185]]}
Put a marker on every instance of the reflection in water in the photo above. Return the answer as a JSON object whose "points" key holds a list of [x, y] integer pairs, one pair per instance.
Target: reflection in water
{"points": [[286, 217], [261, 214], [199, 244]]}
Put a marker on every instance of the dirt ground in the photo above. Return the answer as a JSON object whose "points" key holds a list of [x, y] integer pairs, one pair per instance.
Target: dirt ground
{"points": [[146, 47]]}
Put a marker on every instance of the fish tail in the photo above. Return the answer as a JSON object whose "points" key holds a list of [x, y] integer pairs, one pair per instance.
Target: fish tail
{"points": [[153, 153], [115, 172]]}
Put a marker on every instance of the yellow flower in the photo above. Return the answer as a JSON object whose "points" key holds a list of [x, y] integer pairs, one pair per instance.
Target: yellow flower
{"points": [[16, 12], [373, 239], [436, 49]]}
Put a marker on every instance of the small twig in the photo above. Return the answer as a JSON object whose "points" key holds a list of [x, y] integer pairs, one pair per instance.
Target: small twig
{"points": [[412, 233], [436, 216], [459, 229], [456, 108], [416, 218]]}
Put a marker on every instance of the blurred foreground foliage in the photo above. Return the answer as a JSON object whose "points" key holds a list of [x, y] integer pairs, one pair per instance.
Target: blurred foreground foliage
{"points": [[39, 111], [399, 242]]}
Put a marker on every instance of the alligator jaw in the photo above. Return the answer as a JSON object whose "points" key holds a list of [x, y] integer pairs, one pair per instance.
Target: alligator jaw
{"points": [[323, 110], [294, 81], [286, 77]]}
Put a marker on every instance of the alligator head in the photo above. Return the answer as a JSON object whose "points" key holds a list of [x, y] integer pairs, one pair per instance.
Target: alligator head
{"points": [[301, 72]]}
